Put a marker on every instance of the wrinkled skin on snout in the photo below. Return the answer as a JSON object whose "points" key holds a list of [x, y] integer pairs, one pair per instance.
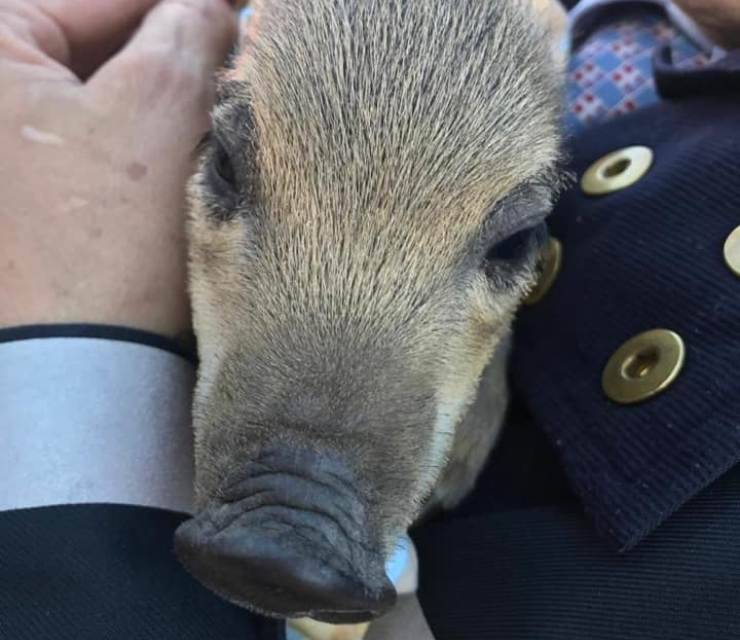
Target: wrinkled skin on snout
{"points": [[363, 225]]}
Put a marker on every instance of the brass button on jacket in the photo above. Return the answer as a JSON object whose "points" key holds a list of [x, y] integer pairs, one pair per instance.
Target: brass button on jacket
{"points": [[732, 251], [617, 170], [551, 259], [644, 366]]}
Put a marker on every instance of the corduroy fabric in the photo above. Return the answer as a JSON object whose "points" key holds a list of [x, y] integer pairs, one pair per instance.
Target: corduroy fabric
{"points": [[107, 572], [542, 574], [649, 256]]}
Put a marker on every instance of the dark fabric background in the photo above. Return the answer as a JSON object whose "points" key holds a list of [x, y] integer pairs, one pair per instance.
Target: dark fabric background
{"points": [[542, 574], [105, 572]]}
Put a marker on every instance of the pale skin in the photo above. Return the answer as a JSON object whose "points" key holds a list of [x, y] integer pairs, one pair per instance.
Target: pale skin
{"points": [[96, 149]]}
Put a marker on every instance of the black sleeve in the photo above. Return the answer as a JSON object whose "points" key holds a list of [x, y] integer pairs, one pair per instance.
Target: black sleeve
{"points": [[94, 572]]}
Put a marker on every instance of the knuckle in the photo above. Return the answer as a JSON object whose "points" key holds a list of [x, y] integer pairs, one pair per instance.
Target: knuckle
{"points": [[164, 69], [7, 36], [207, 10], [199, 16], [26, 25], [11, 37]]}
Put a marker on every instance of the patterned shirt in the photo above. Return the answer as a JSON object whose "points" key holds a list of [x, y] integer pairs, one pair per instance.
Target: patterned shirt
{"points": [[612, 47]]}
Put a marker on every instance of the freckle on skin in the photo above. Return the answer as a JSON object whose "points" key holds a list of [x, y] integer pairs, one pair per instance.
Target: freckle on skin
{"points": [[136, 171], [41, 137], [11, 265], [96, 232]]}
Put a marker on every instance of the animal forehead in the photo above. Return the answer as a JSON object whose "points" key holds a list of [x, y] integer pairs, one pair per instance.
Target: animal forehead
{"points": [[398, 104]]}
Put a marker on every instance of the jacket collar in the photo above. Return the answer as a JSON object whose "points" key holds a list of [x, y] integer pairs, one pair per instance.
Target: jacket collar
{"points": [[645, 257], [585, 11], [720, 77]]}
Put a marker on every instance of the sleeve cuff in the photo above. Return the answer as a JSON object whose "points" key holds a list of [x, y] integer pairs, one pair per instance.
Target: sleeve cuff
{"points": [[185, 348], [92, 419]]}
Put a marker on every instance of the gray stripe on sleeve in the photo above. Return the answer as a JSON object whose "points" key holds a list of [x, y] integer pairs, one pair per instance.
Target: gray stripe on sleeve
{"points": [[89, 420]]}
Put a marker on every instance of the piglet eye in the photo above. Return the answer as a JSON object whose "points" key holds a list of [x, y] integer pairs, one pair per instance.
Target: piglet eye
{"points": [[223, 167], [517, 246]]}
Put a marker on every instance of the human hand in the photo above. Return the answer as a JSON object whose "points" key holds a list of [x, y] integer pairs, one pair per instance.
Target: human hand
{"points": [[720, 19], [93, 171]]}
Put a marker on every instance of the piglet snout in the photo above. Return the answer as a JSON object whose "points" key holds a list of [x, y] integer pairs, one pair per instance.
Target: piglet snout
{"points": [[289, 541]]}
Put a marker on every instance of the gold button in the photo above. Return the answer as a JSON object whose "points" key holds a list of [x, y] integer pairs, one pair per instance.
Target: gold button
{"points": [[644, 366], [618, 170], [548, 267], [732, 252]]}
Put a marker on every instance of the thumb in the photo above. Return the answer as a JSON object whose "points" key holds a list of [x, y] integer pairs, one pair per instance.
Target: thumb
{"points": [[178, 39]]}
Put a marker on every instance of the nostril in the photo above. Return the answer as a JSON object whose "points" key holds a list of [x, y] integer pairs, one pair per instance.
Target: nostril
{"points": [[276, 567]]}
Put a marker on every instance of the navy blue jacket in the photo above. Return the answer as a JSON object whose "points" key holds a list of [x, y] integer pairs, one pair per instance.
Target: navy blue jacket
{"points": [[593, 519]]}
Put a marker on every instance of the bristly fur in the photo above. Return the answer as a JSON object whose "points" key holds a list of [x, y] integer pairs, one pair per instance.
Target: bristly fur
{"points": [[340, 302]]}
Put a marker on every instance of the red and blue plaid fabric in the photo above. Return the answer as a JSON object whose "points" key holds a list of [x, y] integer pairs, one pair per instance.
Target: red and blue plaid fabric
{"points": [[611, 71]]}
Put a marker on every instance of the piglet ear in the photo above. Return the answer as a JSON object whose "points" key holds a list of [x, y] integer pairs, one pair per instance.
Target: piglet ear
{"points": [[249, 21], [555, 19], [250, 12]]}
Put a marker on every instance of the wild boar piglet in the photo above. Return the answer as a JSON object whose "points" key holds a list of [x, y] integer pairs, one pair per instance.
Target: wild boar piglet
{"points": [[363, 225]]}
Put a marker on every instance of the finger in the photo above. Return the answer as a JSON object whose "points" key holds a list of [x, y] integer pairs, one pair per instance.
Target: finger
{"points": [[66, 31], [29, 36], [190, 37], [95, 29]]}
